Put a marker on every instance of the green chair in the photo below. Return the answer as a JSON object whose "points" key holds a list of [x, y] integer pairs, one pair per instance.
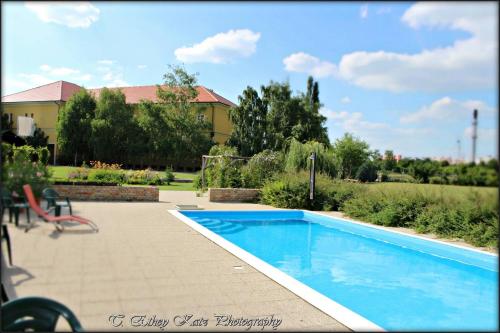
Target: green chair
{"points": [[37, 314], [52, 198], [14, 207]]}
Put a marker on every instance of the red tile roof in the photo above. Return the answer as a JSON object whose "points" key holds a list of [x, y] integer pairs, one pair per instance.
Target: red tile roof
{"points": [[56, 91], [62, 90]]}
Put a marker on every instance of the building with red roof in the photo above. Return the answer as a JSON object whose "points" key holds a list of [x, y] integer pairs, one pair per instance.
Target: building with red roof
{"points": [[44, 102]]}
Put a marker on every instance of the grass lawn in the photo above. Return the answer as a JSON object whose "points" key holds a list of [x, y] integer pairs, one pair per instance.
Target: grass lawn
{"points": [[484, 194], [62, 172]]}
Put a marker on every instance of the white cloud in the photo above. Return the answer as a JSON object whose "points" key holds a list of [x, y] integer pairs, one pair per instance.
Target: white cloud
{"points": [[221, 48], [141, 66], [70, 14], [363, 11], [59, 71], [35, 79], [305, 63], [483, 134], [345, 100], [467, 64], [446, 109], [379, 135], [113, 77]]}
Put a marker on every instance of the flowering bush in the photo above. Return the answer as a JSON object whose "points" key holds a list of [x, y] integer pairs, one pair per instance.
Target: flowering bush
{"points": [[105, 166], [146, 176], [79, 174], [25, 165]]}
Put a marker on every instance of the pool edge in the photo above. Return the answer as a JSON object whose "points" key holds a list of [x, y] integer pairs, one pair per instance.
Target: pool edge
{"points": [[378, 227], [345, 316]]}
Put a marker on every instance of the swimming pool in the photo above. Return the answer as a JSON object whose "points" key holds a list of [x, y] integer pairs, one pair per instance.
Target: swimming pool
{"points": [[365, 277]]}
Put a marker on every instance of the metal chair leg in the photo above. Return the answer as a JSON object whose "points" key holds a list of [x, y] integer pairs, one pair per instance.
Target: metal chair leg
{"points": [[6, 235]]}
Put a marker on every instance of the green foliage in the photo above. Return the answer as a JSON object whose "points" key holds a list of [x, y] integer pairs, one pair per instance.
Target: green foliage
{"points": [[25, 166], [144, 177], [389, 163], [172, 129], [74, 128], [291, 190], [249, 123], [108, 176], [39, 139], [112, 127], [169, 175], [79, 174], [367, 172], [6, 124], [261, 167], [223, 172], [351, 153], [269, 121], [298, 157]]}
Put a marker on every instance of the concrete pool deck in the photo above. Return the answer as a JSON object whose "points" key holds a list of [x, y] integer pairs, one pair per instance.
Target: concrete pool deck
{"points": [[144, 261]]}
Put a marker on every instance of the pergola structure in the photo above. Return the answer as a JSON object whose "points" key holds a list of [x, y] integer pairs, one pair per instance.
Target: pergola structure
{"points": [[206, 158]]}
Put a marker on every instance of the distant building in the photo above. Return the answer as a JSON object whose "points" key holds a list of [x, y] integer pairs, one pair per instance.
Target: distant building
{"points": [[44, 102]]}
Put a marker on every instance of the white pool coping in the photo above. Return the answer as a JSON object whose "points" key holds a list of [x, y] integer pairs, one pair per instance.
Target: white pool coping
{"points": [[342, 314]]}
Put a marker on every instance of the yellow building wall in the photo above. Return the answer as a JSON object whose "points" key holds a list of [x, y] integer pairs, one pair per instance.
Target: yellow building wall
{"points": [[44, 115], [218, 115]]}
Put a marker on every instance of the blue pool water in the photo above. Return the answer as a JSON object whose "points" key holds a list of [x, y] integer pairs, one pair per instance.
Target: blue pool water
{"points": [[396, 281]]}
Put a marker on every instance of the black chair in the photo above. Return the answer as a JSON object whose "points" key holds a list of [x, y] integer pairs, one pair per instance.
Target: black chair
{"points": [[5, 235], [13, 206], [37, 314], [53, 200]]}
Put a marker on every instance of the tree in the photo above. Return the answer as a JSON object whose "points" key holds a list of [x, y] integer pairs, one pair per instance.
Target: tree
{"points": [[181, 133], [112, 127], [249, 123], [351, 153], [38, 139], [295, 117], [74, 126], [389, 162], [6, 123], [156, 129], [313, 120], [367, 172], [277, 98]]}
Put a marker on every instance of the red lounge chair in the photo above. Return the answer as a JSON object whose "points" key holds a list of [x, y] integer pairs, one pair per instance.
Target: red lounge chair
{"points": [[55, 219]]}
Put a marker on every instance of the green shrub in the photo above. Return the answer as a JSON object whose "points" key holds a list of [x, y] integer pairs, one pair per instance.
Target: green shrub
{"points": [[169, 175], [24, 166], [291, 190], [79, 174], [223, 172], [110, 176], [367, 172], [143, 177], [261, 167]]}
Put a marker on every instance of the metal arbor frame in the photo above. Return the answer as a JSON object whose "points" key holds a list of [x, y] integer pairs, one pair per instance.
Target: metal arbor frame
{"points": [[206, 158]]}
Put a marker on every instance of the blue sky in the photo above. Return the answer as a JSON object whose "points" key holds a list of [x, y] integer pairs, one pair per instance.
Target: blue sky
{"points": [[403, 76]]}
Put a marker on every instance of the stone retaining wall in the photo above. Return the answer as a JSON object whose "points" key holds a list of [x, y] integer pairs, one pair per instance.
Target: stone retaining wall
{"points": [[233, 194], [108, 193]]}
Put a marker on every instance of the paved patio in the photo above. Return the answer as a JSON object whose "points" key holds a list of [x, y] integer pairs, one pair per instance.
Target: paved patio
{"points": [[145, 262]]}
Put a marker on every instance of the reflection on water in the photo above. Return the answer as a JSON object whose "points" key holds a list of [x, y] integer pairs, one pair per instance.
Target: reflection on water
{"points": [[393, 286]]}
